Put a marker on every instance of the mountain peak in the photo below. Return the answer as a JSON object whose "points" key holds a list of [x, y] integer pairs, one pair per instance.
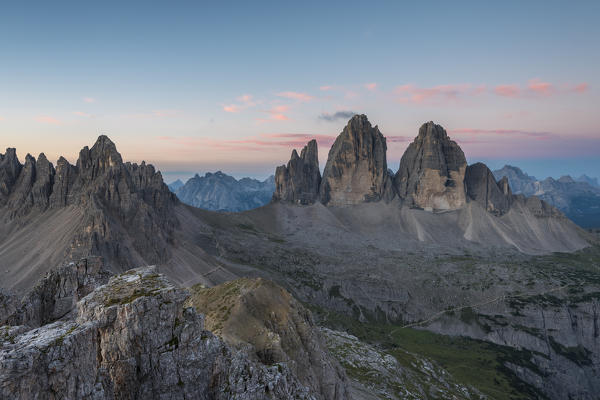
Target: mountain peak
{"points": [[432, 130], [432, 171], [356, 169]]}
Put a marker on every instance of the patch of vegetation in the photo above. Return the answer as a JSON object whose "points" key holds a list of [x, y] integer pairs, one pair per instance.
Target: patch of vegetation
{"points": [[578, 354], [475, 363], [276, 239], [248, 228], [59, 340], [174, 342]]}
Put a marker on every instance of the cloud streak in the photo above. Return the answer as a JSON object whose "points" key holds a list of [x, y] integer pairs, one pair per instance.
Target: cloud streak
{"points": [[45, 119], [262, 141], [303, 97], [243, 102], [410, 93], [343, 115], [502, 132]]}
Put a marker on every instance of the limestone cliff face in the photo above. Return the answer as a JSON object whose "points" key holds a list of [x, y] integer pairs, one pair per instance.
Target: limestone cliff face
{"points": [[482, 187], [356, 169], [133, 338], [299, 181], [432, 171]]}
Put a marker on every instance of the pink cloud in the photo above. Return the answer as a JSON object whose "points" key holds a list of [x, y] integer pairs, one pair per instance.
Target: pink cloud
{"points": [[581, 87], [245, 98], [231, 108], [1, 118], [441, 93], [518, 132], [325, 88], [246, 101], [370, 86], [507, 90], [276, 114], [89, 99], [295, 96], [539, 87], [44, 119]]}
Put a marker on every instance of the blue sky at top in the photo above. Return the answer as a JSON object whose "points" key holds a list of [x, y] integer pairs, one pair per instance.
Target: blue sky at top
{"points": [[234, 85]]}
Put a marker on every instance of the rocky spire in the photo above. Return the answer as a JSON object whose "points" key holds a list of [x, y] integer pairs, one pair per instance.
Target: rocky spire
{"points": [[10, 168], [432, 170], [356, 169], [299, 181], [63, 183], [495, 197]]}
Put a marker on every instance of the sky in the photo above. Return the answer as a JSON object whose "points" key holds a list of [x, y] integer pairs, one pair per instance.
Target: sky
{"points": [[235, 86]]}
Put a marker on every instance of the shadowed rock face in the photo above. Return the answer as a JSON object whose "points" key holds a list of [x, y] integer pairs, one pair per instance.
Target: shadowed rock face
{"points": [[127, 207], [432, 171], [482, 187], [356, 169], [299, 181], [10, 168]]}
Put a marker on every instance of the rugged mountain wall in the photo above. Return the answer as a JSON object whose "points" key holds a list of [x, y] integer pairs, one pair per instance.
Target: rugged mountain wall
{"points": [[432, 171], [299, 181], [134, 338], [127, 209], [221, 192], [356, 169]]}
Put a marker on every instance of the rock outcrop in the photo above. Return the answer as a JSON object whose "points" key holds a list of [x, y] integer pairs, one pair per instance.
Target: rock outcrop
{"points": [[58, 292], [265, 321], [134, 338], [495, 197], [432, 171], [299, 181], [356, 169]]}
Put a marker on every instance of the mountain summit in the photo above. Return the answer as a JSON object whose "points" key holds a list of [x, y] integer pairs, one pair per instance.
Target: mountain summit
{"points": [[356, 169]]}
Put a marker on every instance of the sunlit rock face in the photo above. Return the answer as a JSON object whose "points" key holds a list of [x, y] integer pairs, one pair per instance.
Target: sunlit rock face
{"points": [[356, 170], [432, 171]]}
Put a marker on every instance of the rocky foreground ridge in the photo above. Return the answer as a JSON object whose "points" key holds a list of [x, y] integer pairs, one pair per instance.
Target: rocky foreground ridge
{"points": [[131, 336], [433, 174]]}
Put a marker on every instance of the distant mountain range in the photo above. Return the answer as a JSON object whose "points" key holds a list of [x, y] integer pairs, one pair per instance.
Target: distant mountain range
{"points": [[221, 192], [578, 199]]}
